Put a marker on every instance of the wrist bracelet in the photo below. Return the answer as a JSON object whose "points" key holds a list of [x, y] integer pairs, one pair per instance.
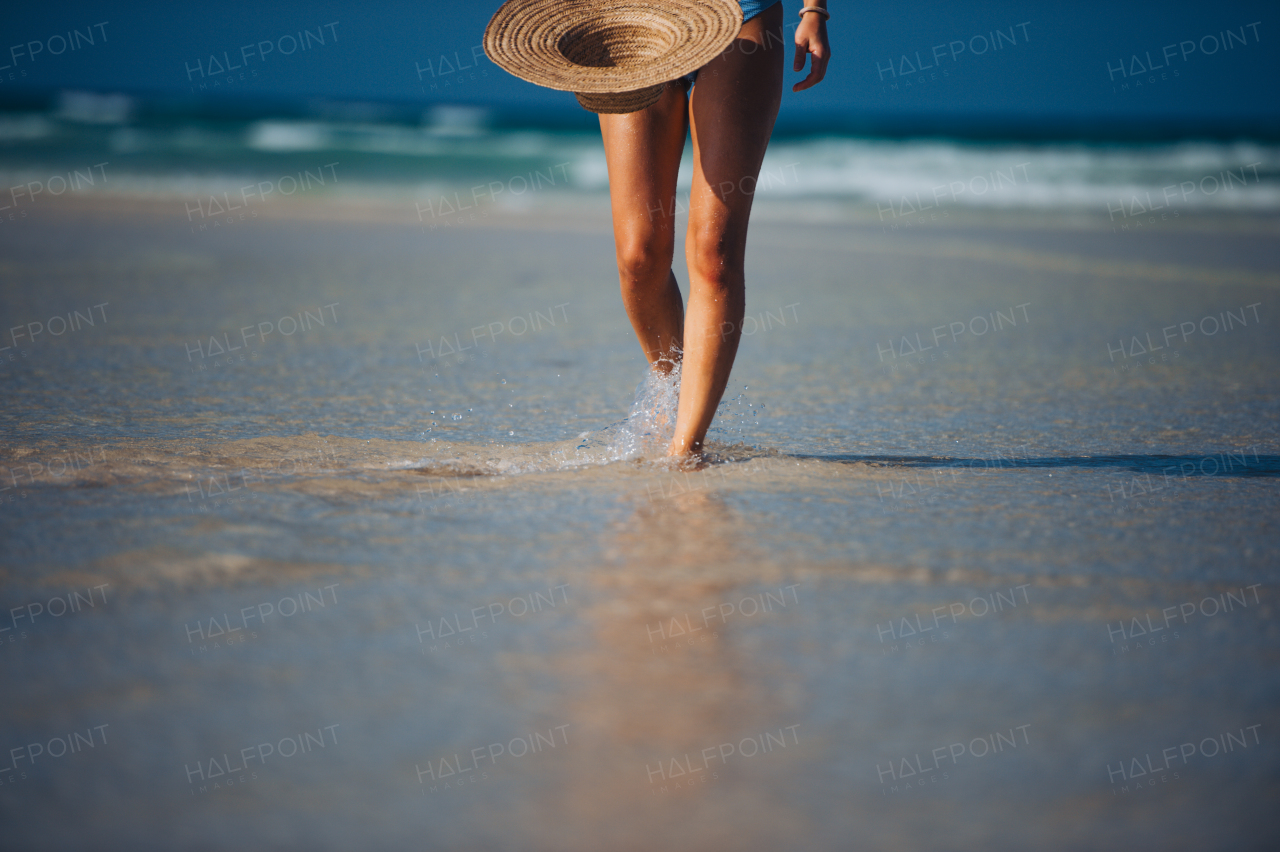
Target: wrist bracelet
{"points": [[823, 12]]}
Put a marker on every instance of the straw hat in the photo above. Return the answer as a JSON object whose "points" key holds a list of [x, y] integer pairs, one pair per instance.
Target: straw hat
{"points": [[614, 55]]}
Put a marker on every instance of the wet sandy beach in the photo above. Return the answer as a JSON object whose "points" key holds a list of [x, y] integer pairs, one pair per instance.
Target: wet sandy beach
{"points": [[313, 537]]}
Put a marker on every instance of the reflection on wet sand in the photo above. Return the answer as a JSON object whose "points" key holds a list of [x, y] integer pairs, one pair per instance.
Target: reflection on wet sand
{"points": [[667, 690]]}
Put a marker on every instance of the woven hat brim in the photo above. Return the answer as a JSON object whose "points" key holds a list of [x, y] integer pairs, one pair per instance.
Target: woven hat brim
{"points": [[620, 102], [609, 46]]}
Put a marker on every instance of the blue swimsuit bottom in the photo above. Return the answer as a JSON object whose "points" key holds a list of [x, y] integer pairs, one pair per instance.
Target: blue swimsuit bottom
{"points": [[750, 9]]}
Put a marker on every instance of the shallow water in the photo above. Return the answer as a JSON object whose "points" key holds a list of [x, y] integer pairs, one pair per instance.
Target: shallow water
{"points": [[896, 550]]}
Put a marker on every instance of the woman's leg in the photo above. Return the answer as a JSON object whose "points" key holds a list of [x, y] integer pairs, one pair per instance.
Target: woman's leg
{"points": [[732, 111], [643, 151]]}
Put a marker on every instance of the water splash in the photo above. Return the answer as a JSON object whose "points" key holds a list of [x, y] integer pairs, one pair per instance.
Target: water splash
{"points": [[643, 438], [649, 427], [735, 419], [651, 423]]}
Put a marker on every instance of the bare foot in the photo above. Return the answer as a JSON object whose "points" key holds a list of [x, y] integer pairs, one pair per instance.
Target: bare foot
{"points": [[686, 460]]}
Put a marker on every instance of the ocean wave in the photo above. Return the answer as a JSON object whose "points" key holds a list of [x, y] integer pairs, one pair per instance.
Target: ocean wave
{"points": [[900, 176], [458, 148]]}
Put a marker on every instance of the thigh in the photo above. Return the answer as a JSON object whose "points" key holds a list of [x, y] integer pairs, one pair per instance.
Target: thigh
{"points": [[642, 150], [732, 110]]}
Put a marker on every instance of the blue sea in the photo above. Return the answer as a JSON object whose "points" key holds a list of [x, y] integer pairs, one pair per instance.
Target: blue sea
{"points": [[148, 150]]}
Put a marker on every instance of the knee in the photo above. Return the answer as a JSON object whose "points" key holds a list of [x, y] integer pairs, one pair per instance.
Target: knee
{"points": [[714, 259], [644, 261]]}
